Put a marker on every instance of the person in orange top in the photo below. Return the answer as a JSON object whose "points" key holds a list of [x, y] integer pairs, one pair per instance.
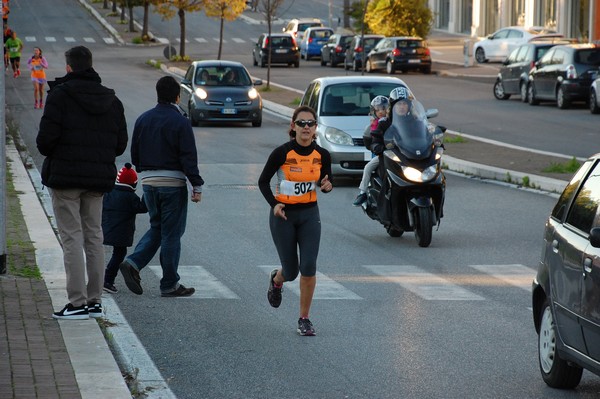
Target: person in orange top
{"points": [[37, 63], [301, 167]]}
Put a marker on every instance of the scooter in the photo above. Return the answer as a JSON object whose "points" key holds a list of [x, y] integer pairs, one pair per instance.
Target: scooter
{"points": [[407, 192]]}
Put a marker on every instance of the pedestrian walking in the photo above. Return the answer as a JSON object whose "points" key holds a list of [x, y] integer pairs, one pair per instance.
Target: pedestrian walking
{"points": [[37, 64], [7, 33], [301, 166], [14, 46], [81, 132], [119, 210], [163, 150]]}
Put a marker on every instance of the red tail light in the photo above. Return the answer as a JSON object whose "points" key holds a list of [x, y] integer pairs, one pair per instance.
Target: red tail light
{"points": [[310, 39], [571, 72], [294, 42], [396, 52], [339, 49], [267, 42], [358, 50], [427, 52]]}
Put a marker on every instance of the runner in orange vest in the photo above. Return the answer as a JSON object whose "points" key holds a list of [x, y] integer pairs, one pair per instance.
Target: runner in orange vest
{"points": [[37, 63]]}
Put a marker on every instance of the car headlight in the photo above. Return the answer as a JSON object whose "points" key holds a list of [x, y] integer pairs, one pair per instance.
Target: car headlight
{"points": [[201, 93], [337, 136], [417, 176], [252, 93]]}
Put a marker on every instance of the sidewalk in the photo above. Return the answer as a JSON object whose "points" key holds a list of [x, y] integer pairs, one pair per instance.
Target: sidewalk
{"points": [[44, 358]]}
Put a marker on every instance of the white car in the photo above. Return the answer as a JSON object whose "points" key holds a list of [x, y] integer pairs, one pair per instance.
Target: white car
{"points": [[498, 45], [595, 96], [342, 104]]}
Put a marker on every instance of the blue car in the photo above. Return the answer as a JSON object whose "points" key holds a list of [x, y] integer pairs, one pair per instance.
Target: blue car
{"points": [[312, 40]]}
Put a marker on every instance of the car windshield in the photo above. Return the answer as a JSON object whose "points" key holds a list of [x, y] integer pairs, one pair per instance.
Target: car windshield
{"points": [[347, 99], [371, 42], [222, 76]]}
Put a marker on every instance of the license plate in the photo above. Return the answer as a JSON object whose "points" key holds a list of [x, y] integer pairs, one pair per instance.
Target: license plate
{"points": [[368, 155], [414, 61], [229, 111], [281, 50]]}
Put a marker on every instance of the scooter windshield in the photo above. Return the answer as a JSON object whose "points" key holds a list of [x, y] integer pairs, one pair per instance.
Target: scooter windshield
{"points": [[408, 131]]}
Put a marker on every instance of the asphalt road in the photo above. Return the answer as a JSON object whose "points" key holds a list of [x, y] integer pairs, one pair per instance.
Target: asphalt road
{"points": [[393, 319]]}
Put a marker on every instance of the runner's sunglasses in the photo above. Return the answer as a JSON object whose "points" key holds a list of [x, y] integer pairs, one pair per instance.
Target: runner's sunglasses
{"points": [[304, 123]]}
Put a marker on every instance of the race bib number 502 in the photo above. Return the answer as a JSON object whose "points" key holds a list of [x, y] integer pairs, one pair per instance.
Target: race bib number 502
{"points": [[296, 188]]}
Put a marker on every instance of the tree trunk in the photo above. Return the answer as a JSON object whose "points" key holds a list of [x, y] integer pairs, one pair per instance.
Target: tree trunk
{"points": [[145, 25], [181, 14], [114, 6], [123, 11], [269, 19], [131, 24], [221, 38], [105, 5]]}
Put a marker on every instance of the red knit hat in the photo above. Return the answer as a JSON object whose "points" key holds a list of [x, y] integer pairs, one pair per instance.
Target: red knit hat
{"points": [[127, 176]]}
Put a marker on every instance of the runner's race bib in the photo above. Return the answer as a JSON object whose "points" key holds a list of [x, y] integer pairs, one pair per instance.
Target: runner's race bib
{"points": [[37, 67], [14, 49], [296, 188]]}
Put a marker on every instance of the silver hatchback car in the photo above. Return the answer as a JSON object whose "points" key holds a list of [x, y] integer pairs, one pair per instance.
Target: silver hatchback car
{"points": [[342, 105]]}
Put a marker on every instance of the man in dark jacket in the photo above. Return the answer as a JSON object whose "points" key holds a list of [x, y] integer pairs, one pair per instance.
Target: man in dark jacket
{"points": [[163, 150], [81, 133]]}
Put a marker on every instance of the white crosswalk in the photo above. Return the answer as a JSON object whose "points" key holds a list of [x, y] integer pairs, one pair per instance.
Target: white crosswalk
{"points": [[417, 280]]}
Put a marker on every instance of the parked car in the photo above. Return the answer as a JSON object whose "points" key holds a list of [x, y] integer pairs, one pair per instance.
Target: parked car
{"points": [[513, 76], [498, 45], [358, 48], [595, 97], [297, 26], [312, 41], [334, 51], [220, 91], [401, 53], [566, 290], [564, 74], [342, 104], [284, 50]]}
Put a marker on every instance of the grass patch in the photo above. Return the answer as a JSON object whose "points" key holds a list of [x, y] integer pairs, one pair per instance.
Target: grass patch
{"points": [[570, 166], [296, 101], [454, 139]]}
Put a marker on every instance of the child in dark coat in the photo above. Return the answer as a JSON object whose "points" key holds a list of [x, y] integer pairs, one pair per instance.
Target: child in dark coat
{"points": [[120, 207]]}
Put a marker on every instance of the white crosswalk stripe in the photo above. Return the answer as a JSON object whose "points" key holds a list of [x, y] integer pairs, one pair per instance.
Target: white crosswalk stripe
{"points": [[516, 275], [163, 40], [206, 285], [50, 39], [201, 40], [30, 38], [238, 40], [108, 40], [327, 288], [89, 40], [69, 39], [424, 284]]}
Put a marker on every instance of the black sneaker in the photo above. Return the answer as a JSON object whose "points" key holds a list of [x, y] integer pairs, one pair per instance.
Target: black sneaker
{"points": [[95, 310], [274, 293], [360, 199], [70, 312], [305, 327], [108, 287], [180, 291], [132, 277]]}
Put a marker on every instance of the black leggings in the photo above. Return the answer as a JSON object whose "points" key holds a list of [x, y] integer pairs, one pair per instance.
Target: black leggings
{"points": [[112, 268], [301, 232]]}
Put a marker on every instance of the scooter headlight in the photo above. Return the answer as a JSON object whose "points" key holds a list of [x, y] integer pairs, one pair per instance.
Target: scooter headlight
{"points": [[417, 176]]}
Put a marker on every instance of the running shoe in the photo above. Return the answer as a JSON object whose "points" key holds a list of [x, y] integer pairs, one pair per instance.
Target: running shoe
{"points": [[95, 310], [305, 327], [70, 312], [274, 293]]}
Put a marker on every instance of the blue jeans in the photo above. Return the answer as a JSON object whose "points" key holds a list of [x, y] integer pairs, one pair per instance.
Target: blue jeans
{"points": [[167, 207]]}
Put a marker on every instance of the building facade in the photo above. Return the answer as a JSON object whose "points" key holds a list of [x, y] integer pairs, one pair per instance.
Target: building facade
{"points": [[478, 18]]}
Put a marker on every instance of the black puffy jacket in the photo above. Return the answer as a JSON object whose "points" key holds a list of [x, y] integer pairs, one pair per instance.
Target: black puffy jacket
{"points": [[82, 131]]}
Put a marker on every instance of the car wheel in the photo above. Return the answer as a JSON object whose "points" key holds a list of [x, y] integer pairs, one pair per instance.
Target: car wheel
{"points": [[254, 62], [368, 66], [257, 123], [193, 120], [389, 67], [531, 95], [561, 100], [480, 55], [499, 91], [594, 109], [523, 89], [427, 70], [323, 62], [556, 372], [355, 66]]}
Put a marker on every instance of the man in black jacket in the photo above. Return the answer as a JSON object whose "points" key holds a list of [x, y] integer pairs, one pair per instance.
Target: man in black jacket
{"points": [[81, 133], [163, 150]]}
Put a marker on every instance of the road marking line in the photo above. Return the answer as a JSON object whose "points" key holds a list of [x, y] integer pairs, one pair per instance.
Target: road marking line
{"points": [[108, 40], [327, 288], [89, 40], [517, 275], [163, 40], [238, 40], [207, 286], [30, 38], [69, 39], [201, 40], [424, 284], [51, 39]]}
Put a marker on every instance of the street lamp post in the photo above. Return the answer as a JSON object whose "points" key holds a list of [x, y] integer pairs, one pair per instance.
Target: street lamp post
{"points": [[362, 39]]}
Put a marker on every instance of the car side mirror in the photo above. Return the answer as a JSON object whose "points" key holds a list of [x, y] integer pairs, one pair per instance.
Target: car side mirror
{"points": [[595, 237], [505, 62], [257, 82], [490, 37], [186, 82], [432, 113]]}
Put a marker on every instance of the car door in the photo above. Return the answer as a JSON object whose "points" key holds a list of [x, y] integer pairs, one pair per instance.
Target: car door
{"points": [[257, 52], [379, 52], [186, 88], [540, 74], [513, 40], [328, 48], [590, 293], [509, 71], [496, 42]]}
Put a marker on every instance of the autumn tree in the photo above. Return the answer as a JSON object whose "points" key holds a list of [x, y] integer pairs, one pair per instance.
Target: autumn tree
{"points": [[225, 10], [169, 8], [399, 18], [269, 8]]}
